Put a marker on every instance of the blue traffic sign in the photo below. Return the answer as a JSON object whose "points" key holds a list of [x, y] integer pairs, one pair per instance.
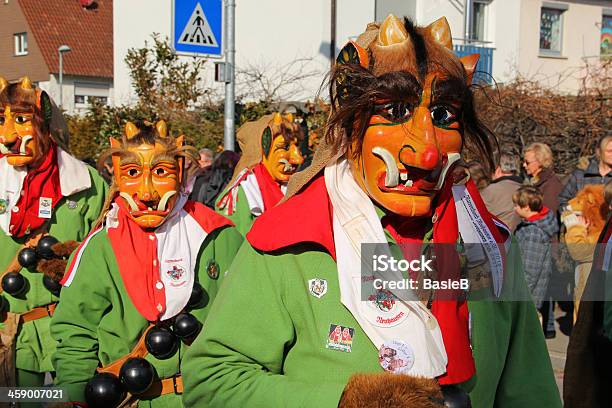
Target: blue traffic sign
{"points": [[197, 27]]}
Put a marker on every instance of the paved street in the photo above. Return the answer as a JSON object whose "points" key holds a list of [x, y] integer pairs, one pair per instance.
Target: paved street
{"points": [[557, 348]]}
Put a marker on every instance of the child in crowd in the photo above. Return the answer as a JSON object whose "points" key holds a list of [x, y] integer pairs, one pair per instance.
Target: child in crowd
{"points": [[534, 233]]}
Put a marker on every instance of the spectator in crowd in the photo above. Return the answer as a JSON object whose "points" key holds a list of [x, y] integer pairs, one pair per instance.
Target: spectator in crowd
{"points": [[478, 174], [206, 158], [213, 180], [587, 374], [534, 235], [538, 164], [498, 195], [599, 171]]}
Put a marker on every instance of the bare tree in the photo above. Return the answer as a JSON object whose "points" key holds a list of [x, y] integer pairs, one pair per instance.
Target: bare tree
{"points": [[269, 83]]}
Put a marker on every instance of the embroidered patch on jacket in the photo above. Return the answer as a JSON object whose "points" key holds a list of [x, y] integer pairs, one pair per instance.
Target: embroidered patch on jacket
{"points": [[212, 268], [340, 338], [317, 287], [3, 205], [71, 204], [176, 272]]}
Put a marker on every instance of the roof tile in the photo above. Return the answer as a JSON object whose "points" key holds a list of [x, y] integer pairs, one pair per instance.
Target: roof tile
{"points": [[89, 33]]}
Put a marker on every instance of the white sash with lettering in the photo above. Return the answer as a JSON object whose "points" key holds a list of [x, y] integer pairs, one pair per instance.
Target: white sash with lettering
{"points": [[356, 222], [474, 230]]}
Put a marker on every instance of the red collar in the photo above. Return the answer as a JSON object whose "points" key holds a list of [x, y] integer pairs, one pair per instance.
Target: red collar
{"points": [[271, 232], [543, 212], [270, 189]]}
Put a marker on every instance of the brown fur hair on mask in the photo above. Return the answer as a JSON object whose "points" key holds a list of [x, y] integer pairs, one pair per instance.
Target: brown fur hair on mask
{"points": [[397, 72], [23, 96], [281, 125]]}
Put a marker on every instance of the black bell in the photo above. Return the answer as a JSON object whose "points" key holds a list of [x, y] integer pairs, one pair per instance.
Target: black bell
{"points": [[27, 258], [14, 284], [52, 286], [186, 326], [197, 293], [455, 397], [161, 343], [43, 249], [104, 391], [137, 375]]}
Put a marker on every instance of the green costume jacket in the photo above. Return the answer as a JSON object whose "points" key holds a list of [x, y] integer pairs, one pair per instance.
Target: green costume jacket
{"points": [[265, 342], [242, 217], [97, 323], [72, 219]]}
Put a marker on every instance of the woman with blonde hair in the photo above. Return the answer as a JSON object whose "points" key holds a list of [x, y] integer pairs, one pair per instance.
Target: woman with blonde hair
{"points": [[538, 163]]}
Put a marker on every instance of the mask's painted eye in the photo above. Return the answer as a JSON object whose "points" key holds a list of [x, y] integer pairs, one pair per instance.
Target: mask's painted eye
{"points": [[133, 172], [20, 119], [395, 112], [442, 116], [2, 120], [160, 171]]}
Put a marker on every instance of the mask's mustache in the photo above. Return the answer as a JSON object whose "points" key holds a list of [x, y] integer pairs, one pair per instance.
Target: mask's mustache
{"points": [[392, 176], [288, 166], [22, 145], [161, 206]]}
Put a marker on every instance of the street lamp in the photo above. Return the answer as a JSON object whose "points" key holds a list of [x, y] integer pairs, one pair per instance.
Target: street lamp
{"points": [[61, 50]]}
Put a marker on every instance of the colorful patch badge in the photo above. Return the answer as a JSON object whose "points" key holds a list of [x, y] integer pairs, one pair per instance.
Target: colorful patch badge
{"points": [[3, 205], [44, 207], [383, 309], [212, 268], [317, 287], [175, 273], [395, 356], [340, 338]]}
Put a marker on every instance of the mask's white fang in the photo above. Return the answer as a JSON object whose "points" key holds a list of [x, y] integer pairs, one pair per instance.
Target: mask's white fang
{"points": [[130, 201], [164, 200], [24, 140], [392, 177], [452, 158], [4, 149]]}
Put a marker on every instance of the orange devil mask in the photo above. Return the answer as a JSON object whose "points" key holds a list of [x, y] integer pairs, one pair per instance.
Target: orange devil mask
{"points": [[405, 99], [280, 146], [148, 171], [25, 117]]}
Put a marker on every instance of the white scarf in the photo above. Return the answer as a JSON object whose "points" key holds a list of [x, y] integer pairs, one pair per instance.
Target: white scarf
{"points": [[355, 223], [73, 175]]}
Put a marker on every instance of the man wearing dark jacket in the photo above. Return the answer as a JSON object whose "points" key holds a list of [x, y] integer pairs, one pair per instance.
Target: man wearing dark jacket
{"points": [[498, 195], [599, 171]]}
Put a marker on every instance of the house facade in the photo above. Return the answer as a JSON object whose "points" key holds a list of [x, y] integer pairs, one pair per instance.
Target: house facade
{"points": [[31, 34]]}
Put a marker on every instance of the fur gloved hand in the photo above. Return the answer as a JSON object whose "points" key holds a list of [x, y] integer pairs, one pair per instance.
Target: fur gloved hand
{"points": [[54, 268], [386, 390]]}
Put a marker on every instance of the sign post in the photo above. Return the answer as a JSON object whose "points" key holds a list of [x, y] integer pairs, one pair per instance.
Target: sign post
{"points": [[198, 31], [230, 53]]}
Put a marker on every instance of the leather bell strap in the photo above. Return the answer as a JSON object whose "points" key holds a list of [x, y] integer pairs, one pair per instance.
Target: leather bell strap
{"points": [[139, 351], [38, 313], [14, 266], [172, 385]]}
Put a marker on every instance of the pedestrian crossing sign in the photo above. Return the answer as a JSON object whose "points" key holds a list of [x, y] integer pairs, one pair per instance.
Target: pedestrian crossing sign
{"points": [[197, 27]]}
